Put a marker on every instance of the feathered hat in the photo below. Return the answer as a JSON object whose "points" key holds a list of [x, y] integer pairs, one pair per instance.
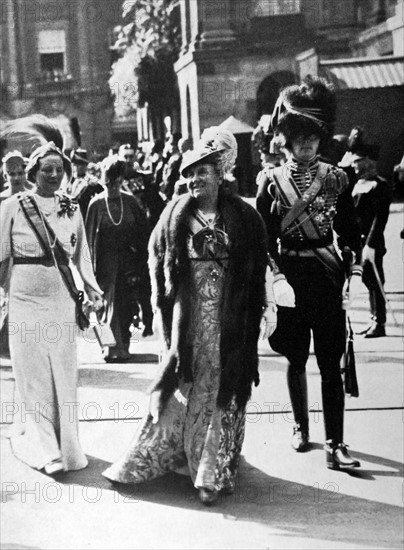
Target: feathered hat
{"points": [[38, 129], [308, 108], [79, 156], [358, 148], [263, 134], [216, 144]]}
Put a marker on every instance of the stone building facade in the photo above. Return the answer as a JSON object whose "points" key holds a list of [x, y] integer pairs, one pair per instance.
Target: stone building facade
{"points": [[56, 59], [237, 54]]}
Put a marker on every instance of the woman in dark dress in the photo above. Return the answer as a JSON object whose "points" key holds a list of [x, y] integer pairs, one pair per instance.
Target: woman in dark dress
{"points": [[118, 234]]}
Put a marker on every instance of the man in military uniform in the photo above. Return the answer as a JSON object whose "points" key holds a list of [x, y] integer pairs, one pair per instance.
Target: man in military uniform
{"points": [[372, 197], [302, 202]]}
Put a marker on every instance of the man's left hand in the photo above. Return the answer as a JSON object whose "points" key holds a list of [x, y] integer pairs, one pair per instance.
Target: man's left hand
{"points": [[368, 254]]}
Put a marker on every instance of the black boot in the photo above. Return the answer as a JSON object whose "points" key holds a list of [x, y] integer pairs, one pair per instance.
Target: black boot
{"points": [[300, 439], [378, 308], [376, 331], [297, 384], [338, 457]]}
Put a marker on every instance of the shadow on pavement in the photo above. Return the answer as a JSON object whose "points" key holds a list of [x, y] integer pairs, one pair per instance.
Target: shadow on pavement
{"points": [[88, 476], [380, 461], [291, 508], [143, 358], [11, 546]]}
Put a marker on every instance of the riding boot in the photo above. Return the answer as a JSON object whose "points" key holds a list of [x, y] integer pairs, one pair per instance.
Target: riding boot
{"points": [[297, 384], [378, 308], [333, 406], [372, 301]]}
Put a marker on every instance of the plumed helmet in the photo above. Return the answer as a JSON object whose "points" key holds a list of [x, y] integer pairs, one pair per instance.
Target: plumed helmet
{"points": [[308, 108]]}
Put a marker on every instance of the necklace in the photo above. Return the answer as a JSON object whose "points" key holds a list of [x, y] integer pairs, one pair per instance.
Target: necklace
{"points": [[109, 213], [51, 244]]}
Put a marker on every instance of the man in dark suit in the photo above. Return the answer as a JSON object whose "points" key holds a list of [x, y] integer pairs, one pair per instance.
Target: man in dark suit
{"points": [[372, 197]]}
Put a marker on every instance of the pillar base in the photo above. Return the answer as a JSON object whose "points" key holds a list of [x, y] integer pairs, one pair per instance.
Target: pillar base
{"points": [[216, 38]]}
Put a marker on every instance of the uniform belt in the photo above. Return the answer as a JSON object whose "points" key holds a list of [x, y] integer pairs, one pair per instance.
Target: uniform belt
{"points": [[304, 253], [34, 260]]}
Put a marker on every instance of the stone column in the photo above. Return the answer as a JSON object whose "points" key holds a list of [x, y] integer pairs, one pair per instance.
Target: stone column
{"points": [[214, 18], [396, 25], [13, 65], [185, 25], [82, 47]]}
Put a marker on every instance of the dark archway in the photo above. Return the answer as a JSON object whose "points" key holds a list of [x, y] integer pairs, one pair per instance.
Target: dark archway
{"points": [[269, 88]]}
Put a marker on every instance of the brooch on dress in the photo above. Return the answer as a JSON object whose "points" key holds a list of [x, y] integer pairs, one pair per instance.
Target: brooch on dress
{"points": [[66, 206], [73, 239]]}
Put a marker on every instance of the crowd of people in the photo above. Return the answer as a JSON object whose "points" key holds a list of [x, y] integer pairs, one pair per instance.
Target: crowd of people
{"points": [[174, 246]]}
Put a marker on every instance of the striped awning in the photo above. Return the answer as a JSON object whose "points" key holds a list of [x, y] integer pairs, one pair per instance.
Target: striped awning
{"points": [[359, 73]]}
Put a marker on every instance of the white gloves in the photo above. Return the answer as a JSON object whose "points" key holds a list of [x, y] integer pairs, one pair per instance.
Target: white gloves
{"points": [[95, 300], [368, 254], [268, 321], [283, 293], [352, 288], [155, 405]]}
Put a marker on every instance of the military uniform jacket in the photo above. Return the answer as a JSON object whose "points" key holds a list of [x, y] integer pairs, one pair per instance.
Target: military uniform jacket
{"points": [[304, 206], [372, 197]]}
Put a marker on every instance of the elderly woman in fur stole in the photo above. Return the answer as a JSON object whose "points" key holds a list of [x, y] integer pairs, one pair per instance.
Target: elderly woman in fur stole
{"points": [[207, 258]]}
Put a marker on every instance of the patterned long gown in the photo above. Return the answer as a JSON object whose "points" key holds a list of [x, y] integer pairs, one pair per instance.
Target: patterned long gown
{"points": [[192, 430]]}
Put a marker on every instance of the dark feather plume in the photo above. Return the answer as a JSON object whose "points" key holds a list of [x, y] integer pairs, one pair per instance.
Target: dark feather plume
{"points": [[359, 145], [314, 93], [355, 138], [35, 128]]}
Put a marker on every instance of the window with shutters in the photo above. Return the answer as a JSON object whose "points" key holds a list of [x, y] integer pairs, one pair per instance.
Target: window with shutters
{"points": [[52, 54]]}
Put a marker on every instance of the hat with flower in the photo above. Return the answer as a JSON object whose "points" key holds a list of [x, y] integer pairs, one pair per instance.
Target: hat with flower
{"points": [[215, 146]]}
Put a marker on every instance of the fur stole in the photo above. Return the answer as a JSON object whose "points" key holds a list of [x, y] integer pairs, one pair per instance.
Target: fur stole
{"points": [[243, 296]]}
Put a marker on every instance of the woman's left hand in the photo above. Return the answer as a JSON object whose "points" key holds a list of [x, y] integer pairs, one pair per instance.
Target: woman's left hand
{"points": [[268, 321], [96, 300]]}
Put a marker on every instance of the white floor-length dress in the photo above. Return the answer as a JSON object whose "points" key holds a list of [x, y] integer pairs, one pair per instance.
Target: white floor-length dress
{"points": [[43, 335]]}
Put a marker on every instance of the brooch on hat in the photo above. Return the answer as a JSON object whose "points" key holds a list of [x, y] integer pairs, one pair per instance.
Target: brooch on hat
{"points": [[211, 144]]}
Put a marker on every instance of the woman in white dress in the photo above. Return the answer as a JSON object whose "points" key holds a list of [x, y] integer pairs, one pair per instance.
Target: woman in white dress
{"points": [[42, 315]]}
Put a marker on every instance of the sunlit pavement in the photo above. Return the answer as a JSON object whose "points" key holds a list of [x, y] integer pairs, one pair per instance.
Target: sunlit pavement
{"points": [[283, 499]]}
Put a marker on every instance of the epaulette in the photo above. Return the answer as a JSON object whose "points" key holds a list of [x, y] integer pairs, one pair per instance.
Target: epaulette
{"points": [[336, 180]]}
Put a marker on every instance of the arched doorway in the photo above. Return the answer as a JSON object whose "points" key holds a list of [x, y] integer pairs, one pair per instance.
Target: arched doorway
{"points": [[269, 88]]}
